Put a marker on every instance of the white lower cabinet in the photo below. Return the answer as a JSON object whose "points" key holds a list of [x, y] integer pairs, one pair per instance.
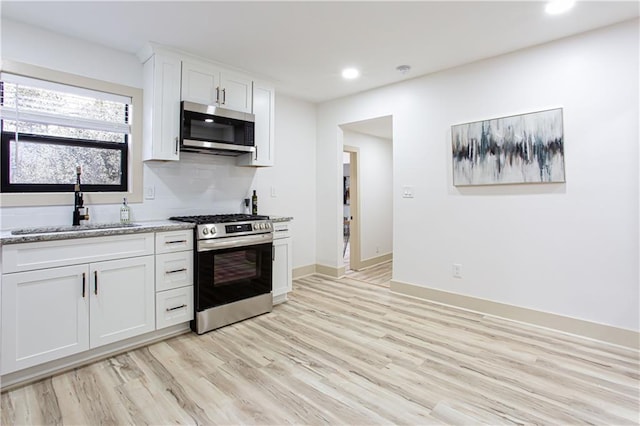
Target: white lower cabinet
{"points": [[52, 311], [44, 316], [121, 299], [174, 277], [174, 306], [282, 262]]}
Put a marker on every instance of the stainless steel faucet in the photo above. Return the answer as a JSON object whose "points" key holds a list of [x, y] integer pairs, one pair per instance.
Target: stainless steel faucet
{"points": [[78, 203]]}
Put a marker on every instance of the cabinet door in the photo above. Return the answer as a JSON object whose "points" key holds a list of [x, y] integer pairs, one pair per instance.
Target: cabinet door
{"points": [[122, 299], [200, 83], [282, 267], [162, 108], [263, 109], [45, 316], [235, 92]]}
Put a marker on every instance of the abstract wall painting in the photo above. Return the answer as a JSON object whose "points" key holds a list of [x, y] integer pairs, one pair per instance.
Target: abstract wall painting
{"points": [[526, 148]]}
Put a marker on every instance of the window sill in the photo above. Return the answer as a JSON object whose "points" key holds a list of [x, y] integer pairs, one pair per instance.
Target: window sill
{"points": [[66, 198]]}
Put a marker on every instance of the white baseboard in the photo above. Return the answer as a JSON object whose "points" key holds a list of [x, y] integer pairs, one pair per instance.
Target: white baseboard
{"points": [[303, 271], [372, 261], [591, 330], [330, 271]]}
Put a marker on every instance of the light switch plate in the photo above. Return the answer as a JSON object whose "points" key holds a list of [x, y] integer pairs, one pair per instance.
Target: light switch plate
{"points": [[407, 192], [149, 192]]}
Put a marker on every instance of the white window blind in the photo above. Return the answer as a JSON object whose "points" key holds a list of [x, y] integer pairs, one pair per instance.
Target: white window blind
{"points": [[30, 100]]}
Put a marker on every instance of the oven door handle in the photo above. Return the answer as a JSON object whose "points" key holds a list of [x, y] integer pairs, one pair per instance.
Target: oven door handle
{"points": [[249, 240]]}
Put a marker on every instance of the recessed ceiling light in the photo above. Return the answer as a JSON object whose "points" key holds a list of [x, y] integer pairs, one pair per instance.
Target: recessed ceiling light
{"points": [[556, 7], [350, 73], [403, 69], [208, 120]]}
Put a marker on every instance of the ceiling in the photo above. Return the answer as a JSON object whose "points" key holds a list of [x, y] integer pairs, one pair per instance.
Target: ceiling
{"points": [[302, 46]]}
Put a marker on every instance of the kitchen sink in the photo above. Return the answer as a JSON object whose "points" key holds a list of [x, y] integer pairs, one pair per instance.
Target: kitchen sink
{"points": [[71, 228]]}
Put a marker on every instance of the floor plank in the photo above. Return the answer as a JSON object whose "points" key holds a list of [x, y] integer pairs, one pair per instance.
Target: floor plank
{"points": [[348, 351]]}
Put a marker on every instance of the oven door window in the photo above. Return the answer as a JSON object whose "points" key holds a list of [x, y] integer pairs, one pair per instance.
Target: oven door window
{"points": [[229, 275], [234, 266]]}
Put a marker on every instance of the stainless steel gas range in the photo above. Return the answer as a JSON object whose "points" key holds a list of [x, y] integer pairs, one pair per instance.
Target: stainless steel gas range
{"points": [[233, 268]]}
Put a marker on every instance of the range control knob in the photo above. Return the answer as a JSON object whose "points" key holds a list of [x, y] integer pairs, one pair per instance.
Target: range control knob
{"points": [[212, 230], [205, 231]]}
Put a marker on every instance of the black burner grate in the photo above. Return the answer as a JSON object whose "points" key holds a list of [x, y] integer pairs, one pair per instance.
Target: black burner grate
{"points": [[219, 218]]}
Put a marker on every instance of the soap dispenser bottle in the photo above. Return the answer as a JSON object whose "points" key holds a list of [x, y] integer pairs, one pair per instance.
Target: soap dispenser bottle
{"points": [[125, 212]]}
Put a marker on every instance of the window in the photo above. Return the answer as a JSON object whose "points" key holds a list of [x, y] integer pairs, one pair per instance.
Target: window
{"points": [[48, 129]]}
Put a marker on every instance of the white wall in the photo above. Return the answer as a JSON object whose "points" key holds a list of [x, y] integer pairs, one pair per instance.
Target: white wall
{"points": [[197, 184], [570, 249], [375, 191], [294, 177], [35, 46]]}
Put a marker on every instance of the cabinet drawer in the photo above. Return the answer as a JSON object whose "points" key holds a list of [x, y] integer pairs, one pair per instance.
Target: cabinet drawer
{"points": [[51, 254], [174, 306], [173, 241], [174, 270], [281, 230]]}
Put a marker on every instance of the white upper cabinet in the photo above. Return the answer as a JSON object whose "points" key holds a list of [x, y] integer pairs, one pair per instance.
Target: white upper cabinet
{"points": [[236, 91], [200, 83], [171, 77], [207, 84], [263, 109], [161, 107]]}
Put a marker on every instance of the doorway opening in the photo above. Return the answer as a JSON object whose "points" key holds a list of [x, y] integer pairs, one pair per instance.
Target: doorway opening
{"points": [[367, 202]]}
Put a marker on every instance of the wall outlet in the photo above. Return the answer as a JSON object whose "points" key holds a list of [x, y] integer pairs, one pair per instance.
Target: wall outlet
{"points": [[456, 270], [407, 192], [149, 192]]}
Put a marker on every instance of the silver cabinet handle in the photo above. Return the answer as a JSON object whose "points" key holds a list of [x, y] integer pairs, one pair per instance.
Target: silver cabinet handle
{"points": [[95, 287], [177, 141], [176, 308], [224, 96], [175, 271], [176, 242], [84, 283], [218, 94]]}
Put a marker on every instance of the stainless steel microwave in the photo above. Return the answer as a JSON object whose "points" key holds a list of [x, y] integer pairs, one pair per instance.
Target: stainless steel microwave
{"points": [[214, 130]]}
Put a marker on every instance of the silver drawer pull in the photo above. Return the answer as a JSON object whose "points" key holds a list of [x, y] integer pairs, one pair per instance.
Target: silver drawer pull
{"points": [[176, 242], [177, 307], [175, 271]]}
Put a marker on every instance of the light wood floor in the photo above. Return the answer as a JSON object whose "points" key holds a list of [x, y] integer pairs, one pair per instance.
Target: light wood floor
{"points": [[347, 352], [379, 274]]}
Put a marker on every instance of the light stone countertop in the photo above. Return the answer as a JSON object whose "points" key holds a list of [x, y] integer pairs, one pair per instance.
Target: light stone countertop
{"points": [[6, 237], [280, 218]]}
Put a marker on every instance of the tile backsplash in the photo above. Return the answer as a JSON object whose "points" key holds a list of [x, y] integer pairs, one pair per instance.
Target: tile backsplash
{"points": [[197, 184]]}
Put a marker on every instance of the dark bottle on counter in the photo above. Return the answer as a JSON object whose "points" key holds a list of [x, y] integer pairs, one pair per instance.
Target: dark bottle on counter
{"points": [[254, 203]]}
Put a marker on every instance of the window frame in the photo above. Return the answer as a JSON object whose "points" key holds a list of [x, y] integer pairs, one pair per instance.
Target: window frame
{"points": [[134, 149], [5, 159]]}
